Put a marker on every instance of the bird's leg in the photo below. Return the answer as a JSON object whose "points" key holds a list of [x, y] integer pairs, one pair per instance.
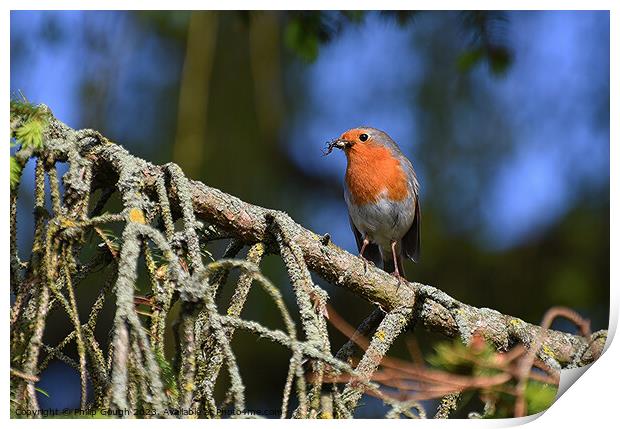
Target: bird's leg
{"points": [[365, 243], [396, 273]]}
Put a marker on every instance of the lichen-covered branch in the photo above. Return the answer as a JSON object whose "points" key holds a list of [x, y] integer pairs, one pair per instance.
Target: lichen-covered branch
{"points": [[250, 223], [167, 218], [387, 332]]}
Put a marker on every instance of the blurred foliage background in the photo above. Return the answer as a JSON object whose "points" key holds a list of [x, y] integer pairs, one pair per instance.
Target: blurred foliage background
{"points": [[505, 116]]}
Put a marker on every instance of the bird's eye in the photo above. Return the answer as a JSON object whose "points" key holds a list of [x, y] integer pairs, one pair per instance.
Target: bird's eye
{"points": [[363, 137]]}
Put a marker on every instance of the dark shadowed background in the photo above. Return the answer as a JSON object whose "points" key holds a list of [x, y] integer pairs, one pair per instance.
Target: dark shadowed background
{"points": [[505, 116]]}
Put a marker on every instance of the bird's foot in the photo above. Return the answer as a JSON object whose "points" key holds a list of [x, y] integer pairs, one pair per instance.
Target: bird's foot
{"points": [[367, 263], [400, 278]]}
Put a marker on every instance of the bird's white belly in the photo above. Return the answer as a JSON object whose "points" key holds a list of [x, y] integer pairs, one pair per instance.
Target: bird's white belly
{"points": [[384, 221]]}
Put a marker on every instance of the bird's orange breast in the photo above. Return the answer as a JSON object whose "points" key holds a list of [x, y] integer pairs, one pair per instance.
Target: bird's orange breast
{"points": [[372, 170]]}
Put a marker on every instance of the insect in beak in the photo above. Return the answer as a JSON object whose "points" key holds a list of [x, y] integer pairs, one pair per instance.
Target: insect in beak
{"points": [[336, 143]]}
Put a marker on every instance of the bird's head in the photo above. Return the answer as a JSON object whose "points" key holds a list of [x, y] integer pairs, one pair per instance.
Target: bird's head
{"points": [[358, 138]]}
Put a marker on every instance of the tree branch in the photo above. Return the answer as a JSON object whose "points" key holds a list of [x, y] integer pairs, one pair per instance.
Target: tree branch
{"points": [[251, 224]]}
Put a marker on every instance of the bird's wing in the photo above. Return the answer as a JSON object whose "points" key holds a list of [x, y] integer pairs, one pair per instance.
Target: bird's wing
{"points": [[410, 243], [372, 250], [411, 240]]}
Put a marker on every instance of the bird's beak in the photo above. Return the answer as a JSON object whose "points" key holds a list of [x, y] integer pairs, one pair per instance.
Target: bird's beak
{"points": [[340, 143]]}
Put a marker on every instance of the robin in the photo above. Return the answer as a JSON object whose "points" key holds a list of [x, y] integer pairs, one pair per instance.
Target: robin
{"points": [[381, 191]]}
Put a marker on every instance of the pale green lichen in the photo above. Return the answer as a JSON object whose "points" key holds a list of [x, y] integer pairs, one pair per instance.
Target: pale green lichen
{"points": [[380, 335], [516, 322], [548, 351]]}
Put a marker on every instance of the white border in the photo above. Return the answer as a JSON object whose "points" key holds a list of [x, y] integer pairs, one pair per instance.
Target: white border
{"points": [[591, 402]]}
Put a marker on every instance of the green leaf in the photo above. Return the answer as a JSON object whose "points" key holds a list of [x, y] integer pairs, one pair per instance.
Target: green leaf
{"points": [[31, 133], [539, 396], [456, 357], [301, 40], [28, 122], [468, 59], [499, 59], [16, 173], [20, 106], [167, 374], [38, 389]]}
